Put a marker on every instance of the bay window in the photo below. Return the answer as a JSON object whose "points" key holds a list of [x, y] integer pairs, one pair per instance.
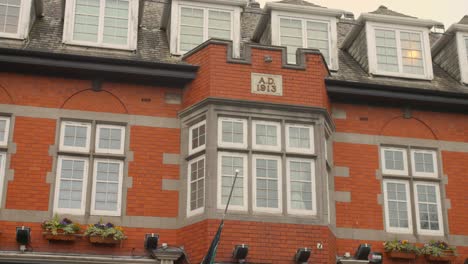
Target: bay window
{"points": [[267, 184]]}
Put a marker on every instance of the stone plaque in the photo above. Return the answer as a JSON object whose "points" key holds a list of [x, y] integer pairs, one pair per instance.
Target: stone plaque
{"points": [[267, 84]]}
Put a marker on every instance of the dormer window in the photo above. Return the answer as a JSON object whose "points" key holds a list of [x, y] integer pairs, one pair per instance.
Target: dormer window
{"points": [[15, 18], [399, 51], [192, 23], [102, 23], [297, 33], [462, 39]]}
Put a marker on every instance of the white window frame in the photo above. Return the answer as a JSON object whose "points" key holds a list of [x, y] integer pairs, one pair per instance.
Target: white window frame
{"points": [[62, 147], [221, 143], [200, 210], [3, 157], [244, 186], [439, 232], [110, 151], [313, 188], [69, 23], [118, 212], [461, 37], [332, 32], [254, 185], [256, 146], [398, 230], [199, 148], [175, 23], [24, 20], [403, 172], [372, 50], [80, 211], [311, 149], [434, 161], [4, 143]]}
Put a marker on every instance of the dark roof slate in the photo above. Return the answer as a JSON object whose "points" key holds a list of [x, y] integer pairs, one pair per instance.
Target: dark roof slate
{"points": [[299, 2], [464, 20], [383, 10]]}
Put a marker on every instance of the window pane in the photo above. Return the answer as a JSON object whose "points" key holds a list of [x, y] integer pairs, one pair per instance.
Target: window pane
{"points": [[229, 164], [232, 131], [219, 24], [397, 199], [387, 58], [198, 136], [86, 20], [299, 137], [267, 183], [411, 52], [9, 16], [116, 22], [291, 36], [428, 207], [317, 37], [107, 185], [71, 183], [197, 184], [110, 138], [3, 128], [266, 135], [424, 162], [393, 160], [75, 135], [300, 182], [191, 28]]}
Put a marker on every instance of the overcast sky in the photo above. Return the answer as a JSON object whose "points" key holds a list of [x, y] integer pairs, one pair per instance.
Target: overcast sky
{"points": [[445, 11]]}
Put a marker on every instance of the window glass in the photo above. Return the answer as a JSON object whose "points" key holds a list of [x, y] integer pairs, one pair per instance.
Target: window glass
{"points": [[9, 15], [71, 174], [317, 37], [394, 159], [423, 162], [219, 24], [387, 56], [300, 176], [4, 129], [75, 135], [411, 51], [266, 135], [116, 22], [191, 28], [110, 139], [267, 183], [397, 203], [299, 137], [428, 207], [291, 36], [86, 26], [107, 185], [229, 164], [198, 136], [232, 131], [197, 184]]}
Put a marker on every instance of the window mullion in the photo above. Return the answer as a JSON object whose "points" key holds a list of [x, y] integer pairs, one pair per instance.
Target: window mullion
{"points": [[399, 52], [102, 8]]}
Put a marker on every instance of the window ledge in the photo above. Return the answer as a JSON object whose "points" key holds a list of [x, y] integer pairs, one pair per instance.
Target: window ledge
{"points": [[126, 49]]}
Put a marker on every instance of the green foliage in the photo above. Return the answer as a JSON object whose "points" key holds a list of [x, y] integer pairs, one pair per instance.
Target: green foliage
{"points": [[436, 248], [400, 246], [105, 230], [56, 226]]}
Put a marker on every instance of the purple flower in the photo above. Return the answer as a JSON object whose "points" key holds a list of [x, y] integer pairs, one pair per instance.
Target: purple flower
{"points": [[109, 225]]}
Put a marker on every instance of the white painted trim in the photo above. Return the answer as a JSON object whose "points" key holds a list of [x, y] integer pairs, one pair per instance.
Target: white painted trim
{"points": [[398, 230], [390, 171], [23, 22], [110, 151], [313, 188], [62, 147], [332, 32], [242, 145], [308, 10], [256, 146], [245, 177], [398, 20], [439, 232], [372, 50], [199, 148], [254, 185], [2, 174], [434, 161], [189, 181], [118, 212], [80, 211], [310, 150], [4, 142], [206, 7], [462, 56], [69, 21]]}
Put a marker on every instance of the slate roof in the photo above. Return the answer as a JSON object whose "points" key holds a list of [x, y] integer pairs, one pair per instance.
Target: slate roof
{"points": [[464, 20], [299, 2], [383, 10], [46, 35]]}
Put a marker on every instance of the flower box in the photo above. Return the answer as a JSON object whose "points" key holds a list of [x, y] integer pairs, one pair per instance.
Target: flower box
{"points": [[401, 255], [103, 240], [59, 236], [448, 255]]}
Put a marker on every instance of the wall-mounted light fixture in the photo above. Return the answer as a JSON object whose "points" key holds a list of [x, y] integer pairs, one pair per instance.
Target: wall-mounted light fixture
{"points": [[151, 241], [240, 252], [267, 59], [376, 257], [302, 255], [362, 252], [23, 237]]}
